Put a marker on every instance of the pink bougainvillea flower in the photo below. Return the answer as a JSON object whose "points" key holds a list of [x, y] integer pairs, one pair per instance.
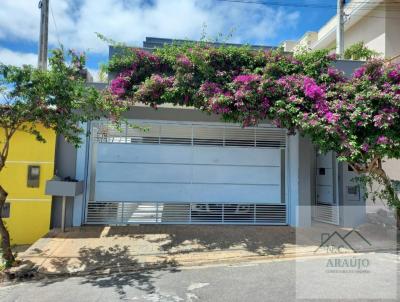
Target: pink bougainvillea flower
{"points": [[335, 74], [118, 86], [184, 61], [378, 120], [394, 74], [265, 104], [209, 89], [239, 94], [382, 140], [313, 122], [332, 71], [365, 147], [312, 90], [359, 72], [246, 78], [331, 117]]}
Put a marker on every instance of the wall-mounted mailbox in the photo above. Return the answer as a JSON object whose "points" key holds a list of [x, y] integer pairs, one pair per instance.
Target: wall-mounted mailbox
{"points": [[33, 176], [353, 193], [64, 188]]}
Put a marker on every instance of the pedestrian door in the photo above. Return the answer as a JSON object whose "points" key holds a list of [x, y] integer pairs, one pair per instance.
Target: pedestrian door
{"points": [[326, 208]]}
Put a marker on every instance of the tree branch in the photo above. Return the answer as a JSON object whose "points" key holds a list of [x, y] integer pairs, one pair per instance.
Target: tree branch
{"points": [[6, 148]]}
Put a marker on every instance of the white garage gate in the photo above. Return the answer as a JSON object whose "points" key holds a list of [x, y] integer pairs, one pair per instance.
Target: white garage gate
{"points": [[166, 172]]}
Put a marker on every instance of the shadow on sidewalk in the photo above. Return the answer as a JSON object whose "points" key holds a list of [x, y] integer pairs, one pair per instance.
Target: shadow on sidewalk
{"points": [[114, 267], [178, 239]]}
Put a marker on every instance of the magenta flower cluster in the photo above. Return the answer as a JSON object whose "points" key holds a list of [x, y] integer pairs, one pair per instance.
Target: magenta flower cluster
{"points": [[385, 117], [119, 85], [246, 78], [382, 140], [359, 72], [394, 74], [208, 89], [332, 117], [184, 61], [153, 88], [312, 90]]}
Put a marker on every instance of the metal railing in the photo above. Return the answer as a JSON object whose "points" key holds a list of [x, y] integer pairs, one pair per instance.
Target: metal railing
{"points": [[123, 213], [189, 134]]}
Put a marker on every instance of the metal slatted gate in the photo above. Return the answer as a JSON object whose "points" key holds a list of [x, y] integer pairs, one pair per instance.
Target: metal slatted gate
{"points": [[177, 173], [184, 213], [327, 213]]}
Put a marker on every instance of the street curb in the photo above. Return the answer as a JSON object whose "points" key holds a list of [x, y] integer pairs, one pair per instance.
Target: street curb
{"points": [[174, 265]]}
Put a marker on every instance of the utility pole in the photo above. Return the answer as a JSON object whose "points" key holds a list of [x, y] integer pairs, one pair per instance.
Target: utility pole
{"points": [[44, 33], [340, 28]]}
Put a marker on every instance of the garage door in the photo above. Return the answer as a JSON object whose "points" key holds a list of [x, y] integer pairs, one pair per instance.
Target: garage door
{"points": [[173, 173]]}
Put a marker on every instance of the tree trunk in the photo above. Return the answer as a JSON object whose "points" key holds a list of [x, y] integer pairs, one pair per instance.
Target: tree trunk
{"points": [[5, 236]]}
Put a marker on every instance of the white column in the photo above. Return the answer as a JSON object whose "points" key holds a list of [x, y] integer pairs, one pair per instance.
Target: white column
{"points": [[293, 178]]}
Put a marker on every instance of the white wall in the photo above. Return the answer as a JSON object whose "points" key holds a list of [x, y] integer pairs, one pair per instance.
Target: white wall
{"points": [[379, 29], [392, 45], [370, 29]]}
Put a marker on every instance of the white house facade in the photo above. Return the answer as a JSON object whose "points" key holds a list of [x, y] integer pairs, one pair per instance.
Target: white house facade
{"points": [[183, 166]]}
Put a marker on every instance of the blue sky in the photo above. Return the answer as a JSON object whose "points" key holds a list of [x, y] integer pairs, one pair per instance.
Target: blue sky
{"points": [[76, 21]]}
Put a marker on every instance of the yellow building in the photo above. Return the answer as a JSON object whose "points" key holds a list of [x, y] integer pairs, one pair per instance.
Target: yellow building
{"points": [[30, 163]]}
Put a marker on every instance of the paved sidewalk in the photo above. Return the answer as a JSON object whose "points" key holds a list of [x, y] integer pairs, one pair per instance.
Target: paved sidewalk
{"points": [[107, 249]]}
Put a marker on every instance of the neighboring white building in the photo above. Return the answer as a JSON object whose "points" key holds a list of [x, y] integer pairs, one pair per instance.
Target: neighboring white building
{"points": [[305, 42], [376, 22]]}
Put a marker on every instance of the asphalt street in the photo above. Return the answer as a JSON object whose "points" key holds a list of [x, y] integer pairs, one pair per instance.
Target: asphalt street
{"points": [[263, 281]]}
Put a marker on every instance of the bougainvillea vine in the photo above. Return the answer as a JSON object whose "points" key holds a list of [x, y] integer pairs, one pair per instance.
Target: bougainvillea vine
{"points": [[357, 117]]}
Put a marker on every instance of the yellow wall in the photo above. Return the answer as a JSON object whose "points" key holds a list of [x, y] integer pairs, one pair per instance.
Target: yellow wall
{"points": [[29, 207]]}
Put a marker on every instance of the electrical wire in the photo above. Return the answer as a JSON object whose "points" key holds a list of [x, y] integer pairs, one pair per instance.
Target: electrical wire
{"points": [[277, 3], [352, 4], [55, 26], [321, 6]]}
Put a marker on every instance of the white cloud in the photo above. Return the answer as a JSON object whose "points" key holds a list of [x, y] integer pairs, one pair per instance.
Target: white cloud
{"points": [[19, 19], [16, 58], [131, 21]]}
